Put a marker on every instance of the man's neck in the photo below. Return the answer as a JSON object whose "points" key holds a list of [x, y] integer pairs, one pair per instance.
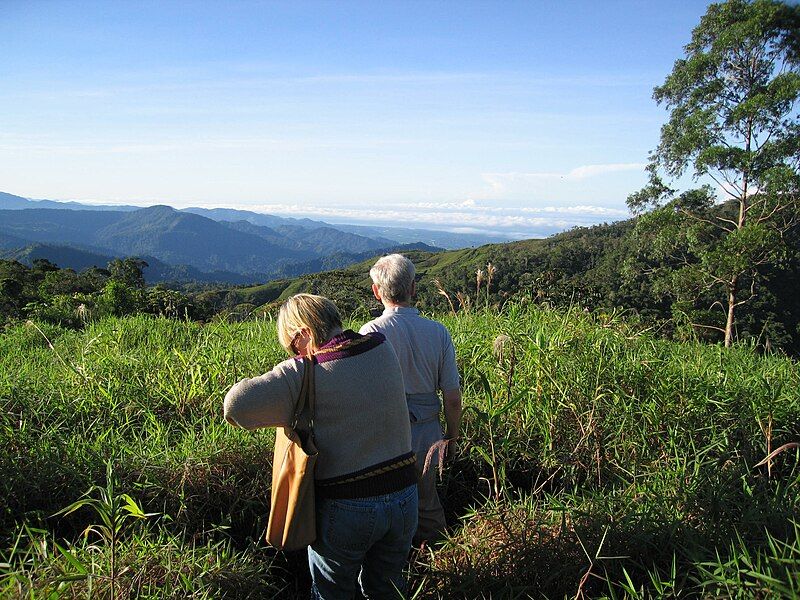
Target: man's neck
{"points": [[396, 304]]}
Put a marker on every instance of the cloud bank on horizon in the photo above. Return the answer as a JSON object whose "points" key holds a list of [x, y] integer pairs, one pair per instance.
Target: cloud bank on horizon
{"points": [[467, 217], [501, 207], [492, 211]]}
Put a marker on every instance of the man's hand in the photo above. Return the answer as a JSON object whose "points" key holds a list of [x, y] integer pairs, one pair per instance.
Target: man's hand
{"points": [[446, 450], [450, 449], [451, 399]]}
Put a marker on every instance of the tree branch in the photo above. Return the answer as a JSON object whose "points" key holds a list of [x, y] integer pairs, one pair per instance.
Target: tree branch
{"points": [[751, 296], [714, 327], [700, 219]]}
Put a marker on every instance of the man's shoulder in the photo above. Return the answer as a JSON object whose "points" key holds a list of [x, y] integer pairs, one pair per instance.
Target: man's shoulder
{"points": [[388, 321], [432, 323], [372, 326]]}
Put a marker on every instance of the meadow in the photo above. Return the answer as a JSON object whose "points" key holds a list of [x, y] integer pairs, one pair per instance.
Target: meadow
{"points": [[596, 461]]}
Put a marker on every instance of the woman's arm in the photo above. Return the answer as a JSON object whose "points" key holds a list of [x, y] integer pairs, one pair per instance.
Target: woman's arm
{"points": [[267, 400]]}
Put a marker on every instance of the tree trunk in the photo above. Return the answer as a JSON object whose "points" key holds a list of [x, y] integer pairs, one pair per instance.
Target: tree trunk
{"points": [[734, 287], [732, 293]]}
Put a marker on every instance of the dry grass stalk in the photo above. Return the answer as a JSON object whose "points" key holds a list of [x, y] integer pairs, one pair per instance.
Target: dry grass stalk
{"points": [[439, 448], [504, 351], [768, 459], [490, 271], [464, 301], [442, 292], [767, 431]]}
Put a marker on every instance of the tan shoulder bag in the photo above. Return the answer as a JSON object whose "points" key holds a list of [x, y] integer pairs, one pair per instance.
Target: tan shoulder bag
{"points": [[292, 521]]}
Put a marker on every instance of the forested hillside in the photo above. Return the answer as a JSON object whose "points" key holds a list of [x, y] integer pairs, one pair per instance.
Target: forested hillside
{"points": [[604, 268]]}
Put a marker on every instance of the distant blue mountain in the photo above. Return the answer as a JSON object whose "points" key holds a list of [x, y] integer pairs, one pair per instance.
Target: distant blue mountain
{"points": [[385, 236], [10, 201], [440, 239], [293, 228], [171, 236], [227, 244], [180, 245], [232, 214]]}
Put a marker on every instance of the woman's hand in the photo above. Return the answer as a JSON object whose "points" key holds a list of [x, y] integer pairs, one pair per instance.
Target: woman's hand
{"points": [[301, 343]]}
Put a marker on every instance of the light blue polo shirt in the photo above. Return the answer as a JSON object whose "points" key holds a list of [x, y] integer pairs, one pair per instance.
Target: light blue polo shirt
{"points": [[424, 348]]}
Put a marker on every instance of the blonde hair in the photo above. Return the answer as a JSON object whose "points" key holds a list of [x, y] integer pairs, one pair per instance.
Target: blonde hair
{"points": [[394, 276], [317, 314]]}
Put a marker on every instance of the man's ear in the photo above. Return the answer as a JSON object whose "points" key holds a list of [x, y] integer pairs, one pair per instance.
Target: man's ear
{"points": [[413, 289], [376, 292]]}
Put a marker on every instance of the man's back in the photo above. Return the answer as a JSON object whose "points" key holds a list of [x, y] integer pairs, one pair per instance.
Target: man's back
{"points": [[427, 358], [423, 347]]}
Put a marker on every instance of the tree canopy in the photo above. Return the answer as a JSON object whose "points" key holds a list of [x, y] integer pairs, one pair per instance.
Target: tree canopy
{"points": [[733, 121]]}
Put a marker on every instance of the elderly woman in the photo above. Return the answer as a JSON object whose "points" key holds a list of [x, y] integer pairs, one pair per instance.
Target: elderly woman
{"points": [[365, 476]]}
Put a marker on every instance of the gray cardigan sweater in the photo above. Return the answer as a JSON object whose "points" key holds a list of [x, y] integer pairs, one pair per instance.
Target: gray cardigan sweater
{"points": [[361, 415]]}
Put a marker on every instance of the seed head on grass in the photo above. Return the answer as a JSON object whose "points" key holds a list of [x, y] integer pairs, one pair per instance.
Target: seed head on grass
{"points": [[442, 292], [490, 271], [464, 301], [499, 347]]}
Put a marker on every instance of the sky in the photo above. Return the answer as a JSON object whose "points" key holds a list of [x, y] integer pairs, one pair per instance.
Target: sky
{"points": [[519, 118]]}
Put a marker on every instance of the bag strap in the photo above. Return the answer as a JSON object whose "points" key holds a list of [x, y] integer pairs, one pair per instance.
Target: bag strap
{"points": [[312, 393], [308, 395]]}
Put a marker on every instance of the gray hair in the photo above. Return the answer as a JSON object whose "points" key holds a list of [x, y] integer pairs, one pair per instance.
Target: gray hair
{"points": [[394, 276]]}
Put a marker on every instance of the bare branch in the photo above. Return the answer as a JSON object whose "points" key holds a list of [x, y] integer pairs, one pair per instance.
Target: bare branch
{"points": [[700, 219], [751, 296], [714, 327], [776, 209], [725, 188], [731, 221]]}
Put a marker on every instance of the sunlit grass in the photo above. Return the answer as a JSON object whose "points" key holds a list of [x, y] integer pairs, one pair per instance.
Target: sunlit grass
{"points": [[595, 459]]}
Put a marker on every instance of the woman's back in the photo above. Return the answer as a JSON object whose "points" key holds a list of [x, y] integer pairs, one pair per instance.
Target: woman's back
{"points": [[366, 482], [362, 417], [361, 413]]}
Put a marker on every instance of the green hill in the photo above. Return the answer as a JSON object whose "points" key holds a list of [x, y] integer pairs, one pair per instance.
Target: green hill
{"points": [[596, 268]]}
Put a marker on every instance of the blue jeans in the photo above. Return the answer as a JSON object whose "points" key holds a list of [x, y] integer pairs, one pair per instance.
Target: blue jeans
{"points": [[365, 540]]}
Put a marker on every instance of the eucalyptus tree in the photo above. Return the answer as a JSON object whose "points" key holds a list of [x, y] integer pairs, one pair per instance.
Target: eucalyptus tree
{"points": [[733, 120]]}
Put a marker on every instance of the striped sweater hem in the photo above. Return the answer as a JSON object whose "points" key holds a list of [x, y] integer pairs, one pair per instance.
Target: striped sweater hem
{"points": [[379, 479]]}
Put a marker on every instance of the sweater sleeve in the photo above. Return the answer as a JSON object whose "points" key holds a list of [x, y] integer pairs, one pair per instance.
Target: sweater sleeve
{"points": [[267, 400]]}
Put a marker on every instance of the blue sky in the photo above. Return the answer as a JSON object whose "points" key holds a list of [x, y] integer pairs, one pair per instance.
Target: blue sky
{"points": [[514, 117]]}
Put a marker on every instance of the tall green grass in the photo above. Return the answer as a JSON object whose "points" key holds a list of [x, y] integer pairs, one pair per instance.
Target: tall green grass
{"points": [[623, 451], [596, 460]]}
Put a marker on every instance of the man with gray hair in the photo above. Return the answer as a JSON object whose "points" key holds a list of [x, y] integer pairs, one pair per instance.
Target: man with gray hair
{"points": [[428, 361]]}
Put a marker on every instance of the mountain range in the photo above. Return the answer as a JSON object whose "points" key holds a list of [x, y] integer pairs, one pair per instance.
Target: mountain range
{"points": [[197, 244]]}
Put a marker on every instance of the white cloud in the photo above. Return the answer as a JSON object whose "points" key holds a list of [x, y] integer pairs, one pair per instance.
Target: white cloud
{"points": [[465, 204], [474, 206], [582, 209], [467, 216], [500, 180], [594, 170]]}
